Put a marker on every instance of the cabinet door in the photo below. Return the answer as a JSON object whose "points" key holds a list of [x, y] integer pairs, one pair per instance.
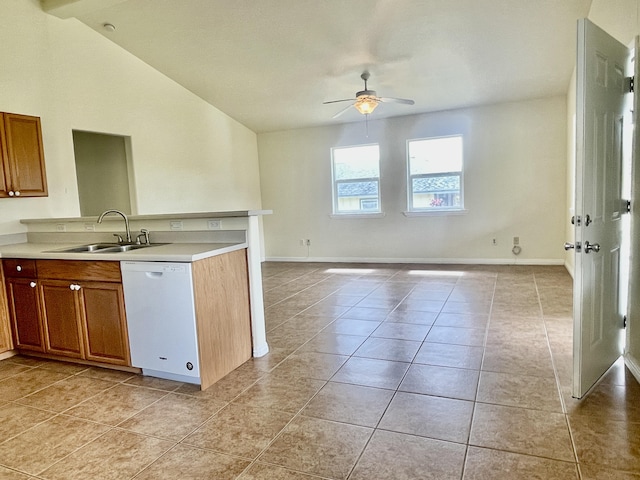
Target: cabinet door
{"points": [[25, 155], [24, 310], [61, 312], [5, 178], [105, 324]]}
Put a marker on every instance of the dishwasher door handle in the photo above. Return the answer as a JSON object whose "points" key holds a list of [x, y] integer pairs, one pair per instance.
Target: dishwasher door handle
{"points": [[153, 274]]}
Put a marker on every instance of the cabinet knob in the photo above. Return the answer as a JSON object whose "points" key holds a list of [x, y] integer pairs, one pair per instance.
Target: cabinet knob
{"points": [[11, 193], [17, 193], [72, 287], [19, 268], [32, 284]]}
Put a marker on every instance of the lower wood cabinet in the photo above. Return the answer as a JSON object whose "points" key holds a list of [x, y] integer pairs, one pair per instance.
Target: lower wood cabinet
{"points": [[69, 308]]}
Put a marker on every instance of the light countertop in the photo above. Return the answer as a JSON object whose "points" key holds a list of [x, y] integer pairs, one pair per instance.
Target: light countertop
{"points": [[171, 252]]}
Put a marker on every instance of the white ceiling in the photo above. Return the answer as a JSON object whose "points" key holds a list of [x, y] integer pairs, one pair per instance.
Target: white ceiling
{"points": [[271, 64]]}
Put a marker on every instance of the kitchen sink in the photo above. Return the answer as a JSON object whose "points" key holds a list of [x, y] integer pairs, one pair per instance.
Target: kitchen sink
{"points": [[103, 248]]}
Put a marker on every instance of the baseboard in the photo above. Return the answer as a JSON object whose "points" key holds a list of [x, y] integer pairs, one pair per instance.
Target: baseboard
{"points": [[8, 354], [569, 268], [451, 261], [633, 365]]}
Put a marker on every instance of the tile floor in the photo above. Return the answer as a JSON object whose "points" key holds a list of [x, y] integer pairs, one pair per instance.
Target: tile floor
{"points": [[375, 372]]}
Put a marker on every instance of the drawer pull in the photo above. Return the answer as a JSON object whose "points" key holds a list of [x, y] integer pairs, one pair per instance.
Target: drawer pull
{"points": [[32, 284]]}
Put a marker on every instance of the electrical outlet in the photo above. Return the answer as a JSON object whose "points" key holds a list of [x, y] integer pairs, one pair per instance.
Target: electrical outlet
{"points": [[214, 224], [516, 240], [89, 227], [494, 242], [175, 225], [308, 242], [61, 227]]}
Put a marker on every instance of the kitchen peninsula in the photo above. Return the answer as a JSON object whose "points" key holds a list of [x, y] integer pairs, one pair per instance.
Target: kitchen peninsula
{"points": [[218, 251]]}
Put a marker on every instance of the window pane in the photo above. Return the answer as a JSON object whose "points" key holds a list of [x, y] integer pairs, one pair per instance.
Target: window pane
{"points": [[435, 173], [356, 174], [435, 155], [356, 162]]}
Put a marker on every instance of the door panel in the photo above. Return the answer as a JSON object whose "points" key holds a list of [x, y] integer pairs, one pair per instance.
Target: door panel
{"points": [[61, 319], [600, 105]]}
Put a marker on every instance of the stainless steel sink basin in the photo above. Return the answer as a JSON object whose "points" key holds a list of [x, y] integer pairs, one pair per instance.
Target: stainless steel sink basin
{"points": [[103, 248]]}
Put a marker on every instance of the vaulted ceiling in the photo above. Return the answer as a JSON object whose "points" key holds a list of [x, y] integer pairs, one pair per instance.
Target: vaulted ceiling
{"points": [[271, 64]]}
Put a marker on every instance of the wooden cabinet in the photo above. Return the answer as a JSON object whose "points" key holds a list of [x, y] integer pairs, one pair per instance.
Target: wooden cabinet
{"points": [[22, 170], [5, 324], [24, 304], [69, 308], [83, 310]]}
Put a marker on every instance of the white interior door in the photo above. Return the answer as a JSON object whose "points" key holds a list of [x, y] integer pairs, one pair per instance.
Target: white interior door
{"points": [[598, 326]]}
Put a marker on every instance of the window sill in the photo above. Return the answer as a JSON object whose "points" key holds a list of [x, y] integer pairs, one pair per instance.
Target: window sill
{"points": [[357, 215], [435, 213]]}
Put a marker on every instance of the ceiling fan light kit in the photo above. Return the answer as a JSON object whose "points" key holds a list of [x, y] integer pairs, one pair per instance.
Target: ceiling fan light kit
{"points": [[367, 100]]}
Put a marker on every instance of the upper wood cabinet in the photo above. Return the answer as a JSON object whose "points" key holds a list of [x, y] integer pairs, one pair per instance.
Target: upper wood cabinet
{"points": [[22, 157]]}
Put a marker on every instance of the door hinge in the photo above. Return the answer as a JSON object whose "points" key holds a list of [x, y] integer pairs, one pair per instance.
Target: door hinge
{"points": [[626, 206], [624, 321], [629, 84]]}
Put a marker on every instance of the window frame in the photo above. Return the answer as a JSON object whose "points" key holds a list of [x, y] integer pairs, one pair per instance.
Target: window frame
{"points": [[335, 182], [411, 209]]}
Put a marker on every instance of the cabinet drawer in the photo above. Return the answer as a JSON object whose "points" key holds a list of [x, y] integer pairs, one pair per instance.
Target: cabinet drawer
{"points": [[19, 268], [79, 270]]}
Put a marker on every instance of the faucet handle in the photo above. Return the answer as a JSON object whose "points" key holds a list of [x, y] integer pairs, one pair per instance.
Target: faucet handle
{"points": [[144, 233], [120, 239]]}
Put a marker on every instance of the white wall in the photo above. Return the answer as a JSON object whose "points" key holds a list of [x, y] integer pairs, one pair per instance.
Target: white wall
{"points": [[187, 155], [515, 180]]}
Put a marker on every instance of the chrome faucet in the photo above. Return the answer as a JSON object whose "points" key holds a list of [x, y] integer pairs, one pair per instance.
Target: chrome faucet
{"points": [[126, 222]]}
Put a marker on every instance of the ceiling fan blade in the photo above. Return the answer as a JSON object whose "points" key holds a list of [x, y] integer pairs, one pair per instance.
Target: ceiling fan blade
{"points": [[338, 101], [406, 101], [342, 111]]}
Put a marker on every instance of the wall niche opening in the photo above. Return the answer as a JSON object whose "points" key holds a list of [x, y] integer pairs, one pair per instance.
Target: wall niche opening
{"points": [[103, 171]]}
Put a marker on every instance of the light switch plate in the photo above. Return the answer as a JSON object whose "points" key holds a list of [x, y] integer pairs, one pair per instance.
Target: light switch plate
{"points": [[214, 224], [175, 225]]}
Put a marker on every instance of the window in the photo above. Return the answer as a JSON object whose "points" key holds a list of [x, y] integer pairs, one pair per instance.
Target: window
{"points": [[356, 179], [435, 174]]}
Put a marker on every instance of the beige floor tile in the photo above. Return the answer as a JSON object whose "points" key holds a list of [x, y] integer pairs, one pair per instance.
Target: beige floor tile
{"points": [[326, 310], [485, 464], [153, 382], [15, 419], [173, 417], [227, 388], [388, 349], [28, 382], [610, 402], [343, 300], [329, 342], [8, 369], [427, 416], [518, 360], [446, 355], [371, 372], [116, 404], [261, 471], [366, 313], [352, 404], [519, 391], [594, 472], [412, 316], [606, 442], [63, 367], [319, 447], [280, 393], [188, 463], [402, 331], [352, 327], [41, 446], [320, 366], [474, 337], [383, 302], [240, 430], [462, 320], [107, 374], [395, 456], [469, 308], [519, 430], [6, 474], [66, 393], [115, 455], [441, 381], [412, 304]]}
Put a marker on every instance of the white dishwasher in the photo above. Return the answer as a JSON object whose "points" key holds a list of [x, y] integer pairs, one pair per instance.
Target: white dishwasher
{"points": [[161, 319]]}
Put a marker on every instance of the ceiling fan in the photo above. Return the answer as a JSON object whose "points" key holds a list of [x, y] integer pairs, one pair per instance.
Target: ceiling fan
{"points": [[367, 100]]}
